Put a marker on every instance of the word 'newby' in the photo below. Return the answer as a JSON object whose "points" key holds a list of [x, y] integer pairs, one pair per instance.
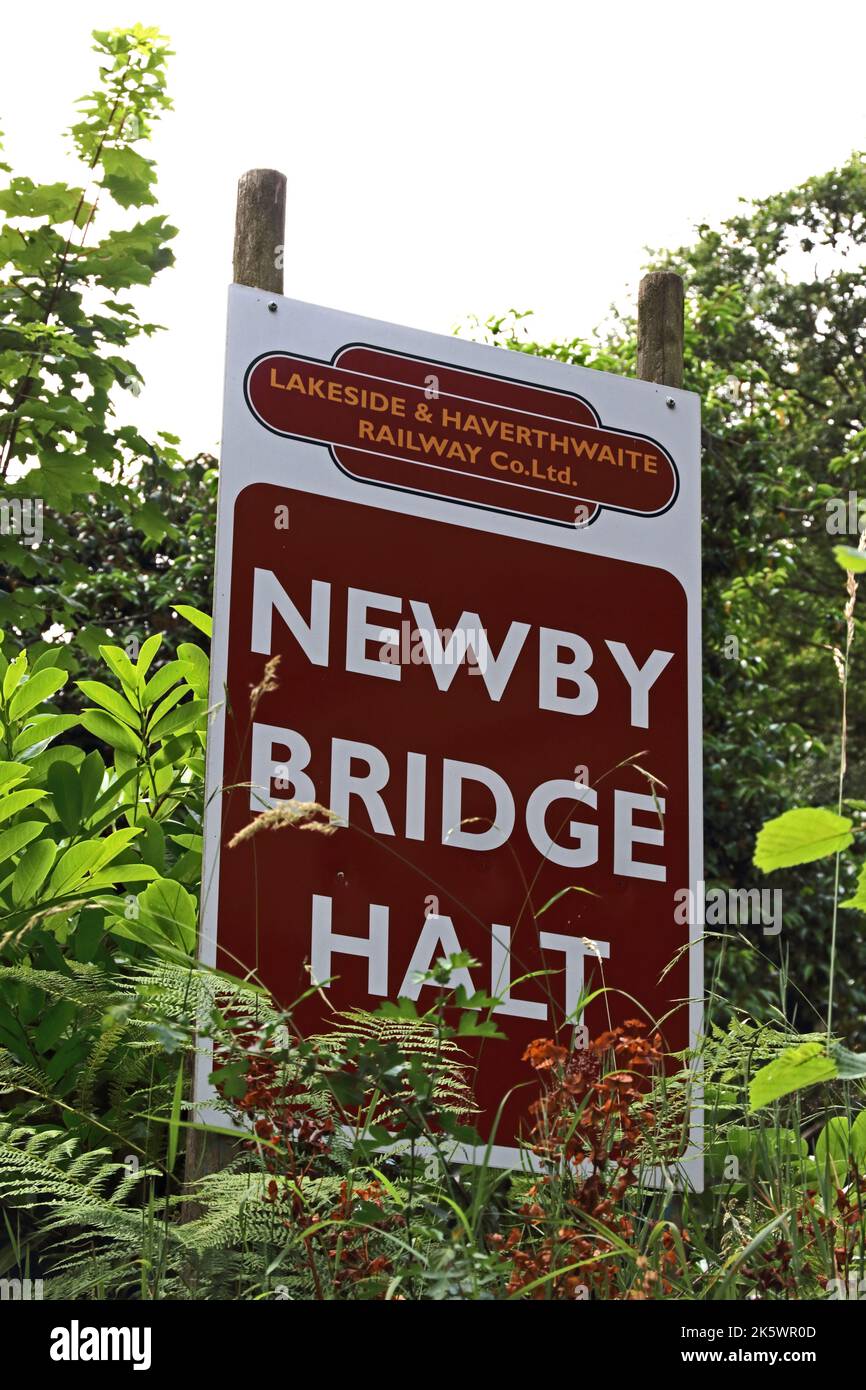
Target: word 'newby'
{"points": [[284, 755]]}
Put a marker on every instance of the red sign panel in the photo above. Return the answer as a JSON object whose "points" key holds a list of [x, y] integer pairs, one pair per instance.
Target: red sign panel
{"points": [[475, 791]]}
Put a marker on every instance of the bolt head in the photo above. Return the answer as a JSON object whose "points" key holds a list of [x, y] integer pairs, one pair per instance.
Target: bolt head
{"points": [[670, 403], [272, 307]]}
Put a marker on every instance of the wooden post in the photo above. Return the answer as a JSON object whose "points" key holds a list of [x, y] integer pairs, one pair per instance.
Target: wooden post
{"points": [[260, 229], [660, 301]]}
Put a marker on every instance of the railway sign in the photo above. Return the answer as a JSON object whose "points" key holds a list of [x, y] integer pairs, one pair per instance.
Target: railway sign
{"points": [[480, 573]]}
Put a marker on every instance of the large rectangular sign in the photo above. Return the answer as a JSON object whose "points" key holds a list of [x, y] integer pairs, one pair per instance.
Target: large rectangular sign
{"points": [[480, 572]]}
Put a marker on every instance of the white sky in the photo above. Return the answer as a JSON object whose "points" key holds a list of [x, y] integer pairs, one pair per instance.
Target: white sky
{"points": [[444, 159]]}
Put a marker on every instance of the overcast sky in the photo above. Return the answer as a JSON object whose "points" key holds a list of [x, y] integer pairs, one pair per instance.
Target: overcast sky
{"points": [[445, 159]]}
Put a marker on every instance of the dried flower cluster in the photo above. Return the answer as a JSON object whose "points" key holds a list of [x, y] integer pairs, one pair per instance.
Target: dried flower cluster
{"points": [[589, 1127]]}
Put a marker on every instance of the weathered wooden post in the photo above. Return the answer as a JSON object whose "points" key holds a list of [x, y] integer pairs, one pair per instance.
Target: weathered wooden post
{"points": [[260, 224], [660, 301], [260, 227], [660, 306]]}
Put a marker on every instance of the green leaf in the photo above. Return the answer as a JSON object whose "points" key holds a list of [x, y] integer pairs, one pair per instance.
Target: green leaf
{"points": [[24, 198], [65, 787], [128, 176], [120, 664], [173, 698], [11, 774], [795, 1068], [462, 1133], [178, 720], [151, 846], [116, 785], [14, 673], [110, 700], [16, 801], [53, 1025], [129, 256], [174, 1122], [111, 731], [154, 523], [859, 898], [42, 729], [404, 1008], [17, 836], [831, 1148], [121, 873], [231, 1080], [850, 559], [202, 621], [36, 690], [799, 836], [155, 941], [198, 668], [148, 651], [73, 867], [763, 1150], [188, 841], [470, 1027], [168, 908], [54, 656], [113, 845], [32, 871], [92, 775], [850, 1066], [167, 676], [187, 867]]}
